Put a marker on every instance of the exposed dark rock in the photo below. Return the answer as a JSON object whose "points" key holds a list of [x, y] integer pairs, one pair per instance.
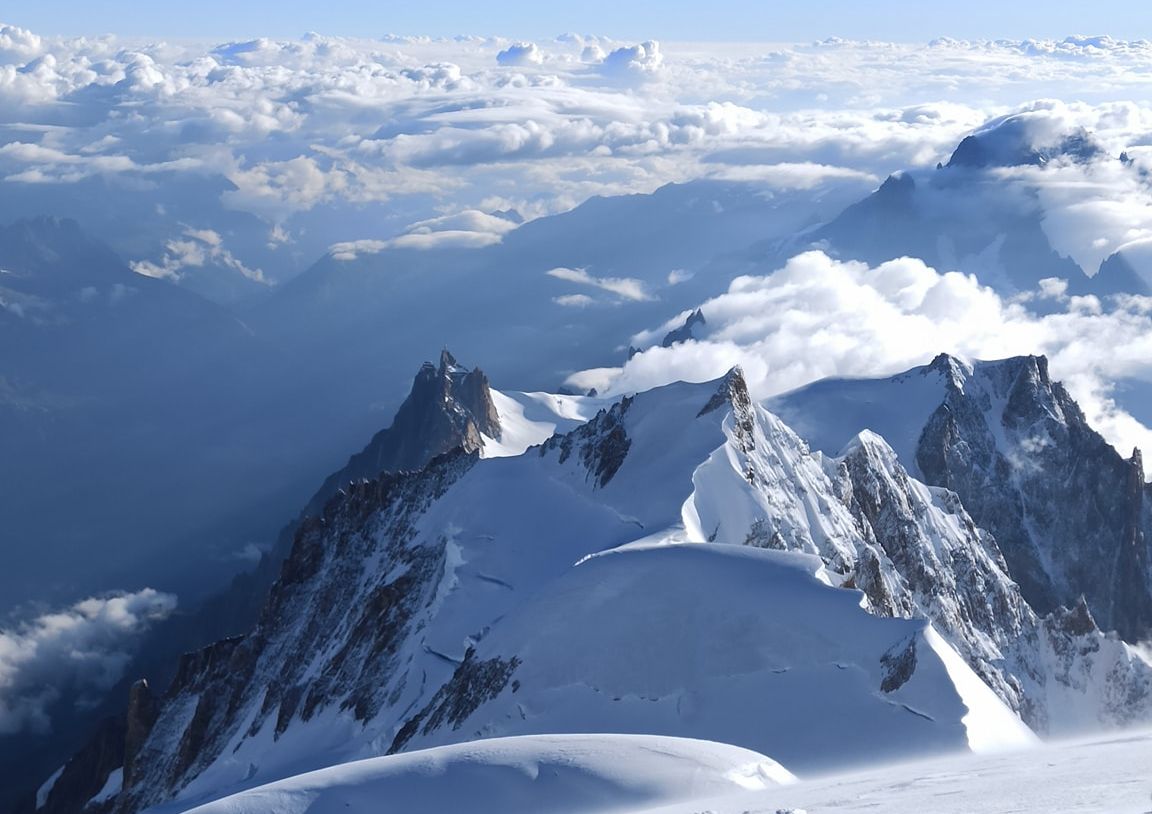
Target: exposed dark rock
{"points": [[475, 682], [449, 406], [733, 392], [1008, 145], [86, 773], [685, 331], [141, 717], [1074, 621], [322, 588], [1066, 510], [899, 665], [602, 443]]}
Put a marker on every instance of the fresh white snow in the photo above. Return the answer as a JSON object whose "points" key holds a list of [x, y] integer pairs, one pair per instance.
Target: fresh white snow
{"points": [[1105, 775], [110, 789], [736, 644], [829, 413], [528, 419], [668, 636], [46, 788], [559, 774], [614, 774]]}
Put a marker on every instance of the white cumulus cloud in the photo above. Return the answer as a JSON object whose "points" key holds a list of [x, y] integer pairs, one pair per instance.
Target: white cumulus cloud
{"points": [[626, 288], [520, 53], [819, 317], [75, 653]]}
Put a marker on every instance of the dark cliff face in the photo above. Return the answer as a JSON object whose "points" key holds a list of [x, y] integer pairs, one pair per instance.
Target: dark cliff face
{"points": [[285, 669], [686, 331], [84, 776], [449, 406], [1066, 509]]}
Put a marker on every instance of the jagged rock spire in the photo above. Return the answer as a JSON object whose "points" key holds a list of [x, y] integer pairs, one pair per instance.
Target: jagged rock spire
{"points": [[449, 406]]}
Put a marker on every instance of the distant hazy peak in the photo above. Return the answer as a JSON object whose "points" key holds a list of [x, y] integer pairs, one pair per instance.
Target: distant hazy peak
{"points": [[1019, 141]]}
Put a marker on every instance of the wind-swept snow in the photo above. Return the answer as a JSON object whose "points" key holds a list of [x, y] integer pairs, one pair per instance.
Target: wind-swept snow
{"points": [[1106, 775], [559, 774]]}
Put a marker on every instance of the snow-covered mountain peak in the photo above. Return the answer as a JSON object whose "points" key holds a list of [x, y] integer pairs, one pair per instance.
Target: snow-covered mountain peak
{"points": [[1031, 138], [1017, 449], [871, 444]]}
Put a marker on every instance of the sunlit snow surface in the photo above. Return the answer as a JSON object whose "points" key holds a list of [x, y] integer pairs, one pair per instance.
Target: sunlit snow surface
{"points": [[1107, 776], [529, 775], [527, 419], [598, 774]]}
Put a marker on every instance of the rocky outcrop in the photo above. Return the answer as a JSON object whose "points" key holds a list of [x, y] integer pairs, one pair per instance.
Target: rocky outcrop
{"points": [[1067, 510], [684, 332], [141, 717], [327, 637], [602, 444], [474, 683], [382, 629], [449, 406], [1010, 144]]}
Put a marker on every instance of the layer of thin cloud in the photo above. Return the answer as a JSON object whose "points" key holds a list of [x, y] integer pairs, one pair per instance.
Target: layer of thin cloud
{"points": [[470, 229], [76, 653], [625, 288], [818, 317], [196, 249]]}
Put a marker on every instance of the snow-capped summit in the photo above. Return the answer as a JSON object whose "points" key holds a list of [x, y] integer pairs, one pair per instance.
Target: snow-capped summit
{"points": [[1011, 207], [1023, 139]]}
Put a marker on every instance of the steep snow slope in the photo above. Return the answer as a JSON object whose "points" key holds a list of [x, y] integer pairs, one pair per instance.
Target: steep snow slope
{"points": [[705, 640], [560, 774], [1068, 512], [829, 413]]}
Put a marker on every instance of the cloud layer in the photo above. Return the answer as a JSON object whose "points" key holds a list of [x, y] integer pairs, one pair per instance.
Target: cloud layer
{"points": [[76, 653], [328, 140], [818, 317]]}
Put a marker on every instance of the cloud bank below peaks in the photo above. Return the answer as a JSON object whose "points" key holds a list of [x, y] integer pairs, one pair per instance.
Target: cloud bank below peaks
{"points": [[76, 653], [392, 132], [818, 317]]}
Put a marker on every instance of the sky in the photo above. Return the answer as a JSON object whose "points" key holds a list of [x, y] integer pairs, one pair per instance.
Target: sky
{"points": [[724, 20]]}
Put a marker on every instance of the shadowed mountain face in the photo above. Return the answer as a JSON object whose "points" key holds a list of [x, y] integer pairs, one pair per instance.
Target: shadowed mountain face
{"points": [[1008, 142], [116, 390], [955, 218], [449, 407]]}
